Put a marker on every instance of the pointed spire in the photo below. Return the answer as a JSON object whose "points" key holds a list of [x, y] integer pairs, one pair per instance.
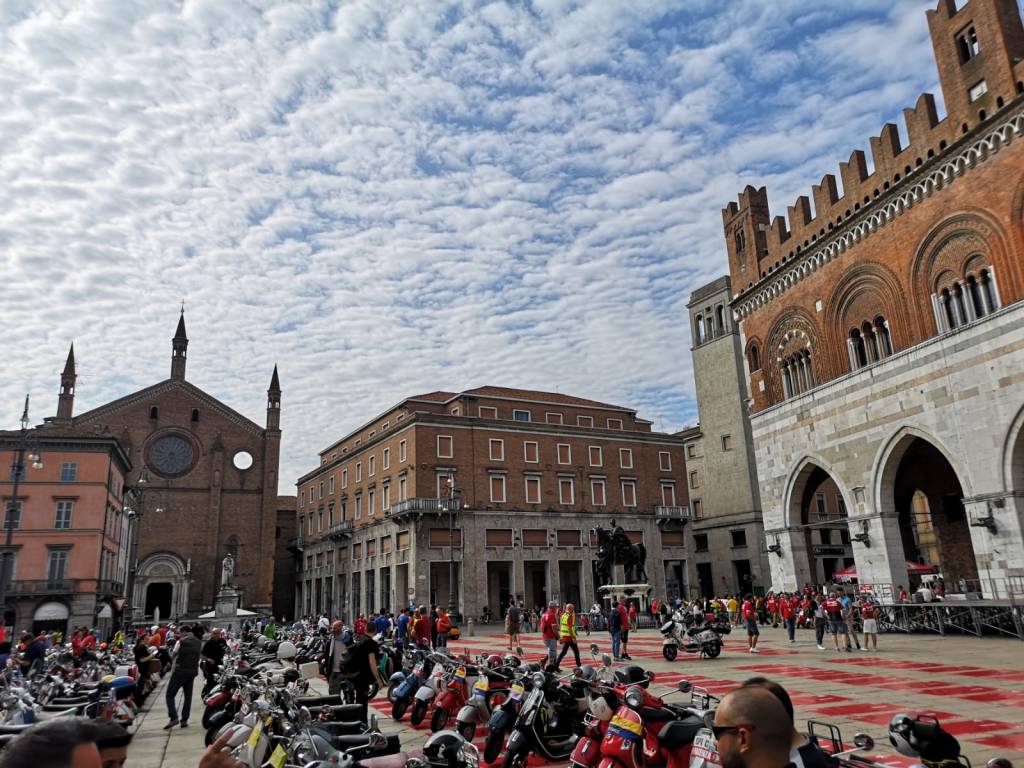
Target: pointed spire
{"points": [[180, 335], [69, 366], [274, 403], [179, 348], [275, 384]]}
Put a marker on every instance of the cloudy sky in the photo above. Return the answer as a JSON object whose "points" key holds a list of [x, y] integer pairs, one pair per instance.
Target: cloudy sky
{"points": [[393, 197]]}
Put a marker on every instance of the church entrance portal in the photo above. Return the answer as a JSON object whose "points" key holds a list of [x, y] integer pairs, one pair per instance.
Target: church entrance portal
{"points": [[159, 596]]}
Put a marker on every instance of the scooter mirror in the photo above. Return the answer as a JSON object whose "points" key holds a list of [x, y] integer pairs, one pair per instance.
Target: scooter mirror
{"points": [[684, 686], [519, 651], [650, 677], [606, 660], [863, 741], [594, 650], [998, 762]]}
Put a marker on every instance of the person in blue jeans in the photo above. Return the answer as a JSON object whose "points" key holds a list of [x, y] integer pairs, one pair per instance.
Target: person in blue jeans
{"points": [[615, 630]]}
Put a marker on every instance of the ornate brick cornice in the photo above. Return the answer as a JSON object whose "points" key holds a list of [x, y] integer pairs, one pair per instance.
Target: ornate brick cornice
{"points": [[915, 188]]}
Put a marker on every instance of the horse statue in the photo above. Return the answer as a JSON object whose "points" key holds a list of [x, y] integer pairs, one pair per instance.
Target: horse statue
{"points": [[614, 547]]}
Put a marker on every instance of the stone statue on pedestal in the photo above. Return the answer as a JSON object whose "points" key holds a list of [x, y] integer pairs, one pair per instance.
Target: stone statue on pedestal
{"points": [[227, 570]]}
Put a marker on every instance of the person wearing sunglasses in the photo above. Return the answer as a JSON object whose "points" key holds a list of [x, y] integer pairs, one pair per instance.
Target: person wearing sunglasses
{"points": [[803, 753], [752, 730]]}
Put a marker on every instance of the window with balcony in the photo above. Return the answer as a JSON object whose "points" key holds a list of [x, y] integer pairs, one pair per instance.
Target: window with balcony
{"points": [[68, 472], [531, 453], [595, 454], [566, 490], [597, 494], [668, 494], [497, 485], [626, 458], [532, 489], [496, 450], [629, 493], [57, 566], [444, 447], [665, 461], [564, 453]]}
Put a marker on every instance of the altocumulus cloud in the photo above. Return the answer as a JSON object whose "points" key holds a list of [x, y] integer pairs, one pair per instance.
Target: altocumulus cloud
{"points": [[393, 197]]}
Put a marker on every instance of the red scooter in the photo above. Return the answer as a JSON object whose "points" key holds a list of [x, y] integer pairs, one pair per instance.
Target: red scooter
{"points": [[452, 698]]}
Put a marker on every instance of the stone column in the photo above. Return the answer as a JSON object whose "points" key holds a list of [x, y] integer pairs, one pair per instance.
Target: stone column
{"points": [[999, 553], [791, 566], [880, 561]]}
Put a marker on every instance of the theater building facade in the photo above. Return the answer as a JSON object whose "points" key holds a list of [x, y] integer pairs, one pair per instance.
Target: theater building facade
{"points": [[883, 331]]}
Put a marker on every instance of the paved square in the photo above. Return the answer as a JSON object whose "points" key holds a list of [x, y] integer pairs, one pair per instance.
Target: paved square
{"points": [[974, 686]]}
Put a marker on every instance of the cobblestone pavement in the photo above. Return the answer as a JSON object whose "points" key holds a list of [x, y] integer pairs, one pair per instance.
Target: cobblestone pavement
{"points": [[974, 686]]}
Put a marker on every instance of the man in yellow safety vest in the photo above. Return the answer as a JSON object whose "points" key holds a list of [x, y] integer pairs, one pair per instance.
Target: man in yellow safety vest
{"points": [[567, 634]]}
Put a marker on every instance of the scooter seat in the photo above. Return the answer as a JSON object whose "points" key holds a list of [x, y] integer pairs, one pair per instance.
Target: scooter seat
{"points": [[679, 733], [341, 728], [657, 714], [358, 743], [397, 760], [340, 713], [319, 701], [13, 730]]}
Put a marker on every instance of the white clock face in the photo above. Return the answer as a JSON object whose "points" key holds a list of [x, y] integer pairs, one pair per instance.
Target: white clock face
{"points": [[171, 455], [242, 460]]}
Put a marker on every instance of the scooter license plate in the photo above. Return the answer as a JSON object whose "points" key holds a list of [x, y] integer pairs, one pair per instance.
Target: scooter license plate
{"points": [[515, 692]]}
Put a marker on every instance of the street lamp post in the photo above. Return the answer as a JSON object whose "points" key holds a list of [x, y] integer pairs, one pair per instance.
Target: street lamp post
{"points": [[453, 505], [134, 522], [17, 471]]}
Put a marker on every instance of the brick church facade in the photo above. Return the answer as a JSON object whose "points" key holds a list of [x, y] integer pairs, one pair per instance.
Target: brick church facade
{"points": [[208, 487], [883, 330]]}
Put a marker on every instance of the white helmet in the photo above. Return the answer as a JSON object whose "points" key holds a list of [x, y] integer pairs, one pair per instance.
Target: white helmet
{"points": [[287, 650], [261, 641]]}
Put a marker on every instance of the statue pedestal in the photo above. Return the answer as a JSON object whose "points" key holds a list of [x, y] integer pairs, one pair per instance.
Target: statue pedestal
{"points": [[225, 608], [611, 593]]}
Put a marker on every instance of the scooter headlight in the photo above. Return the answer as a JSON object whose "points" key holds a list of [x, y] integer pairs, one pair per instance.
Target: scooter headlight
{"points": [[538, 679], [634, 697]]}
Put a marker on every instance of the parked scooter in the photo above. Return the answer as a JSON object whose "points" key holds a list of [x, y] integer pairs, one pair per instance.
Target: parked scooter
{"points": [[548, 720], [429, 689], [705, 639]]}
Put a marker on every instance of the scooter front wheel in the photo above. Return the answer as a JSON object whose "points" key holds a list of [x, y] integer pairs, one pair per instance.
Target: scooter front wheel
{"points": [[466, 730], [392, 689], [492, 747], [398, 709], [516, 757], [419, 711], [439, 720], [713, 650], [669, 652]]}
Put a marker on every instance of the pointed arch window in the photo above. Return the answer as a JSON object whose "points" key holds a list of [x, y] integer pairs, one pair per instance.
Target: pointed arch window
{"points": [[869, 343], [797, 373], [755, 358]]}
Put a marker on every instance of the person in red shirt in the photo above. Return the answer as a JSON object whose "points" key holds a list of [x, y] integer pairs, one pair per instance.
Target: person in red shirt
{"points": [[421, 628], [834, 612], [632, 617], [869, 613], [624, 637], [76, 644], [904, 597], [443, 624], [788, 611], [749, 614], [549, 630], [773, 609]]}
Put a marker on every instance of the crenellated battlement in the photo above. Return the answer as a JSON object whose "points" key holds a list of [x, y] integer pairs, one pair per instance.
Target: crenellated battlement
{"points": [[995, 61]]}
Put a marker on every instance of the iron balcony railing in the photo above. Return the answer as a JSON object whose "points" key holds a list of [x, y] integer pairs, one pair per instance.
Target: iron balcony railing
{"points": [[419, 506], [340, 530], [43, 586]]}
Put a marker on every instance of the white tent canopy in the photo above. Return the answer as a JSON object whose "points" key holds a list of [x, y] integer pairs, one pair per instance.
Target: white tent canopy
{"points": [[52, 611]]}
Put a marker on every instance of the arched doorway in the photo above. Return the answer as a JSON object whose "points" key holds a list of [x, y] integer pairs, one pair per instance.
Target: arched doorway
{"points": [[820, 535], [159, 595], [922, 488]]}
